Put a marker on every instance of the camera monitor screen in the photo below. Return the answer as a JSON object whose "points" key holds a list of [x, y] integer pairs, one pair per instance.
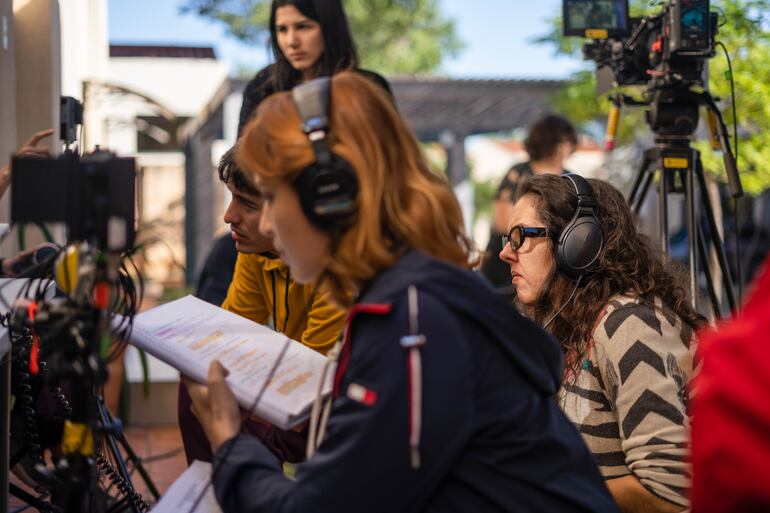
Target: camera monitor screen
{"points": [[596, 19], [695, 21]]}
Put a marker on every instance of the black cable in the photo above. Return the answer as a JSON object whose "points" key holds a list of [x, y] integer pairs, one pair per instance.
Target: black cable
{"points": [[124, 300], [736, 224], [124, 487], [24, 395], [732, 95], [28, 272], [569, 299]]}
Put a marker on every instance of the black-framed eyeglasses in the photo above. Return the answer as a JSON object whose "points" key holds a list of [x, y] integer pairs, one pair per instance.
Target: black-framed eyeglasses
{"points": [[517, 234]]}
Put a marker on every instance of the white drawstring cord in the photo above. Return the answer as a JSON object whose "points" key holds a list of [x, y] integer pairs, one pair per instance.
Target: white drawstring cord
{"points": [[412, 344], [315, 435]]}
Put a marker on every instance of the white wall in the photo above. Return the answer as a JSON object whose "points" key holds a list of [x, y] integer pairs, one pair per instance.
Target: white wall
{"points": [[84, 54], [84, 46], [183, 86], [38, 67]]}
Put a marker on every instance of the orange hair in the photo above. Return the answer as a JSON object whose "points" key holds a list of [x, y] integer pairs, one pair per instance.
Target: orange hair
{"points": [[401, 204]]}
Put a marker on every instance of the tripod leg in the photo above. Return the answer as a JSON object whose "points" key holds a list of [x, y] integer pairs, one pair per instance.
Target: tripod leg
{"points": [[704, 260], [727, 278], [642, 181], [649, 175], [31, 500], [125, 486], [641, 174], [692, 231], [663, 210], [137, 462]]}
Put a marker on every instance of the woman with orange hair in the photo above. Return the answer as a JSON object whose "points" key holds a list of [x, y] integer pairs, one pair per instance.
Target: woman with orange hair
{"points": [[443, 394]]}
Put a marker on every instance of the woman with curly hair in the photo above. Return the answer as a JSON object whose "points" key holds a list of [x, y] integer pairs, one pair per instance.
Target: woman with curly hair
{"points": [[625, 327]]}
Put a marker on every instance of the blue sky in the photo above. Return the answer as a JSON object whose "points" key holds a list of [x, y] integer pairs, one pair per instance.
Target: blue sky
{"points": [[497, 36]]}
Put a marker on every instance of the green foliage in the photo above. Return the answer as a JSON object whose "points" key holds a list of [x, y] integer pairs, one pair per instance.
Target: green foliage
{"points": [[483, 197], [745, 31], [746, 34], [393, 36]]}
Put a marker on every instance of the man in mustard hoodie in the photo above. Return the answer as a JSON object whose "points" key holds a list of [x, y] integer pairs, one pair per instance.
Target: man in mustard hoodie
{"points": [[262, 290]]}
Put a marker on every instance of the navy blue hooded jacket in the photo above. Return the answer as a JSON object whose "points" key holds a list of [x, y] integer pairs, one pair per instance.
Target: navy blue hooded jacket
{"points": [[493, 437]]}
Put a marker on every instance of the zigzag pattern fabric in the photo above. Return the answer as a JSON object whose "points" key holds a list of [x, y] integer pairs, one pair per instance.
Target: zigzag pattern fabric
{"points": [[629, 400]]}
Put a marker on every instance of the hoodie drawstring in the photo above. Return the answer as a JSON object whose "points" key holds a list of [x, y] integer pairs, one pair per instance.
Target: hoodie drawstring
{"points": [[412, 344], [319, 414], [285, 301], [275, 310]]}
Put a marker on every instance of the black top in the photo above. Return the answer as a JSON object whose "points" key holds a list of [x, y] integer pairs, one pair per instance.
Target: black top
{"points": [[262, 86], [492, 268], [217, 272]]}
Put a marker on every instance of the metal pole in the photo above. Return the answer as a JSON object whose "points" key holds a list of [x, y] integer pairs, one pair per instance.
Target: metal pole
{"points": [[692, 229], [663, 209], [5, 429]]}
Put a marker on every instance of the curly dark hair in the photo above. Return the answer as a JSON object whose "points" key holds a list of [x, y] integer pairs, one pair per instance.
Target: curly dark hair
{"points": [[546, 134], [628, 264]]}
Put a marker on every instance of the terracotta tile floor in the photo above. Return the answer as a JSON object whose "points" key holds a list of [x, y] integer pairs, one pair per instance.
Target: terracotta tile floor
{"points": [[147, 443]]}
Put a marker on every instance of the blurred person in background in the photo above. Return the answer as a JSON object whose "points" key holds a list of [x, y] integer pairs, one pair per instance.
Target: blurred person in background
{"points": [[308, 39], [550, 140]]}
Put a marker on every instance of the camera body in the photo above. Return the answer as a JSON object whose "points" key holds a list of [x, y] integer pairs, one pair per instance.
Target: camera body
{"points": [[93, 196], [664, 50]]}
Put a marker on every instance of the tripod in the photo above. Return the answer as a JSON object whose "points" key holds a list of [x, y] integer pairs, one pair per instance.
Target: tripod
{"points": [[681, 171], [120, 476], [109, 460], [113, 466]]}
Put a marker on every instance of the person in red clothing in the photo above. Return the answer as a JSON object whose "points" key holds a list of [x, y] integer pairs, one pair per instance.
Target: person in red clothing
{"points": [[731, 411]]}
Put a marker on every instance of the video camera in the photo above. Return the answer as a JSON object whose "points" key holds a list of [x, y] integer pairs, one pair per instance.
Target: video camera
{"points": [[666, 52], [662, 50]]}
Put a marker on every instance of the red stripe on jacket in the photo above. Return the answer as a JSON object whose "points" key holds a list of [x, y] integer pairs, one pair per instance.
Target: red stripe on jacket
{"points": [[366, 308]]}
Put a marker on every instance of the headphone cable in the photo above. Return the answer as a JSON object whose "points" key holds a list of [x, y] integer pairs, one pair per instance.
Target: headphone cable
{"points": [[569, 300]]}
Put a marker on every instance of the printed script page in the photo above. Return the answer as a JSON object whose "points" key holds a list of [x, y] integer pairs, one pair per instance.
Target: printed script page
{"points": [[189, 334]]}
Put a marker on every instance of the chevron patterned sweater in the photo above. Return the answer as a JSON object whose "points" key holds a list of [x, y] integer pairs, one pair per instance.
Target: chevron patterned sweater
{"points": [[629, 398]]}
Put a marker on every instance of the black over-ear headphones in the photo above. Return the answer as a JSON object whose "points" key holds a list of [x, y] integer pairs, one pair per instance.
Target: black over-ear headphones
{"points": [[327, 188], [581, 239]]}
